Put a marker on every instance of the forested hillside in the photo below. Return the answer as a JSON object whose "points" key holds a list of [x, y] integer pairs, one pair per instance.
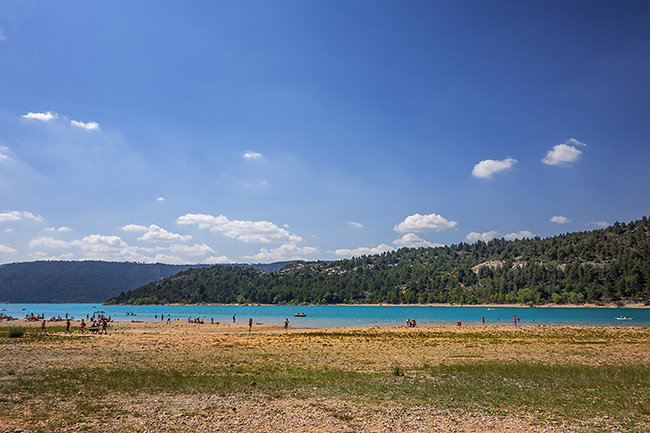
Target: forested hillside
{"points": [[597, 266]]}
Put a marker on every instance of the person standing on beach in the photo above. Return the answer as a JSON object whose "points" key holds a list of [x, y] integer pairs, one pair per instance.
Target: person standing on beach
{"points": [[250, 324], [83, 325], [43, 327], [67, 325], [286, 323], [233, 318]]}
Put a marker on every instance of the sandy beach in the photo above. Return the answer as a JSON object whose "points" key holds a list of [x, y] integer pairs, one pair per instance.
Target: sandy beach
{"points": [[180, 377]]}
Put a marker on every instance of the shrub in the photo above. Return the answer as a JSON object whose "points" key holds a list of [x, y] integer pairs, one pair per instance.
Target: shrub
{"points": [[16, 332]]}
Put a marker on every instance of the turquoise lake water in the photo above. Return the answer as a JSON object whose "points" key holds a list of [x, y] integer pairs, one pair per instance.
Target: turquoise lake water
{"points": [[345, 316]]}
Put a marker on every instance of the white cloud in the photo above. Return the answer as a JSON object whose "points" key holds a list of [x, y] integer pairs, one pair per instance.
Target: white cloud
{"points": [[249, 154], [135, 228], [45, 117], [485, 169], [100, 247], [90, 126], [164, 258], [364, 251], [193, 250], [18, 216], [3, 153], [161, 199], [519, 235], [283, 253], [60, 229], [158, 234], [213, 260], [574, 142], [4, 249], [600, 224], [560, 219], [40, 255], [355, 225], [423, 223], [485, 237], [564, 154], [245, 231], [48, 242], [411, 240]]}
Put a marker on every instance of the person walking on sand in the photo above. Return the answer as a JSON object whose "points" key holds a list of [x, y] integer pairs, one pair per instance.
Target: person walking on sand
{"points": [[67, 326], [233, 318], [83, 325], [43, 327], [286, 323], [250, 324]]}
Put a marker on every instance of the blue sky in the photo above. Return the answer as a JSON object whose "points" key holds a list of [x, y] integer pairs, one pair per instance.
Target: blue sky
{"points": [[250, 131]]}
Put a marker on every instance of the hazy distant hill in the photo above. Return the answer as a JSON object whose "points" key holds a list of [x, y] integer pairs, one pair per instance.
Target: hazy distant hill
{"points": [[76, 282], [599, 266], [85, 281]]}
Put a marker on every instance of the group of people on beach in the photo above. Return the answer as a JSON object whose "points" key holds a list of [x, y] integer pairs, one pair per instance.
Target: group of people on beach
{"points": [[410, 323], [98, 324]]}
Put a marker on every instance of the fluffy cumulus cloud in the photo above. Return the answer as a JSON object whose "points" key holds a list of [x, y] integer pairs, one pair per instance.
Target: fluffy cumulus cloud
{"points": [[191, 250], [411, 240], [90, 126], [519, 235], [43, 117], [355, 224], [100, 243], [19, 216], [245, 231], [6, 250], [217, 260], [485, 169], [249, 154], [564, 154], [153, 233], [282, 253], [364, 251], [485, 237], [560, 219], [424, 223]]}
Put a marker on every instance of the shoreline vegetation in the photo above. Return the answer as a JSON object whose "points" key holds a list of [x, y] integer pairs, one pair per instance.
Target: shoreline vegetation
{"points": [[181, 377], [585, 305]]}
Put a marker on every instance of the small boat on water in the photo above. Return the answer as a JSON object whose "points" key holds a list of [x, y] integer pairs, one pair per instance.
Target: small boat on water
{"points": [[300, 315], [624, 318]]}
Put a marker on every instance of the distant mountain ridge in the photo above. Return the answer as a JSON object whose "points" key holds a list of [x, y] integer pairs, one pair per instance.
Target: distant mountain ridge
{"points": [[86, 281]]}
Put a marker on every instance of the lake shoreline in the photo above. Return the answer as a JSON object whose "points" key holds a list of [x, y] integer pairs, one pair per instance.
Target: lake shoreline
{"points": [[611, 305]]}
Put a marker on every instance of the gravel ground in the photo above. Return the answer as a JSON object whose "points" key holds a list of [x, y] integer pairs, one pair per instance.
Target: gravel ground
{"points": [[372, 350]]}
